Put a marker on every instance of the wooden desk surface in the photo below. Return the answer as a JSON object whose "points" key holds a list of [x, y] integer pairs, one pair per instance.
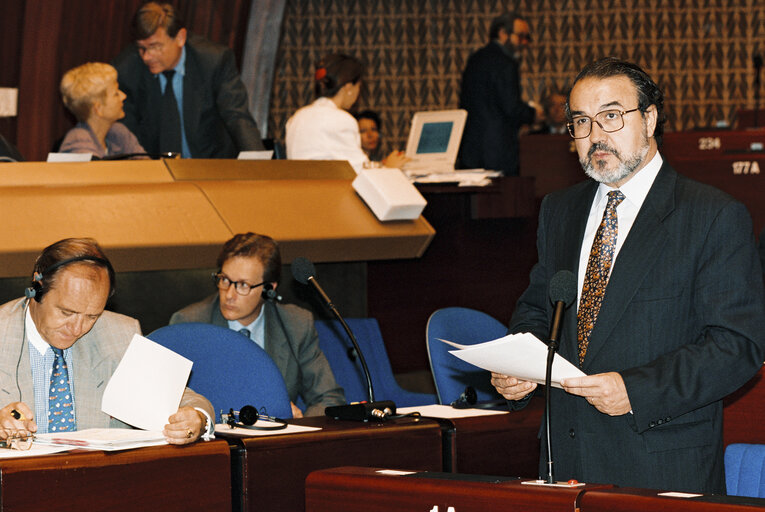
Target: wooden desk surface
{"points": [[272, 469], [161, 478], [355, 489], [646, 500]]}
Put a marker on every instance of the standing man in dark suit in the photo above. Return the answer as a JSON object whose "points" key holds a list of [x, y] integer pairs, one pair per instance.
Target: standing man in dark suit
{"points": [[204, 114], [671, 314], [491, 94]]}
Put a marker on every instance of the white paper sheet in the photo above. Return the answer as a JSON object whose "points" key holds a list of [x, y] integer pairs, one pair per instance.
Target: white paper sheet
{"points": [[36, 449], [222, 428], [109, 439], [520, 355], [147, 386], [255, 155], [447, 411]]}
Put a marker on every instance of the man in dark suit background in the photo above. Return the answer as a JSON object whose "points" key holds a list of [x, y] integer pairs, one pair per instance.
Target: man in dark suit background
{"points": [[210, 118], [678, 323], [491, 94]]}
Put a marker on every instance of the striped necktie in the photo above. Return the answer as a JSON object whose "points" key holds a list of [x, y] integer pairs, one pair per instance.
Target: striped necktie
{"points": [[597, 273]]}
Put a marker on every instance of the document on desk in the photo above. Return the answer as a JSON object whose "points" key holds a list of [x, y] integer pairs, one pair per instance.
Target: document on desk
{"points": [[147, 386], [107, 439], [448, 412], [223, 428], [521, 355]]}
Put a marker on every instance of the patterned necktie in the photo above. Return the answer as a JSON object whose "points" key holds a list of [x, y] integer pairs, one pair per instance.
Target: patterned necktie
{"points": [[60, 401], [244, 331], [170, 119], [598, 272]]}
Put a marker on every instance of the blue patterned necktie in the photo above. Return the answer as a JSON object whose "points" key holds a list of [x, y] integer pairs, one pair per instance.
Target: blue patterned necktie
{"points": [[597, 273], [60, 401]]}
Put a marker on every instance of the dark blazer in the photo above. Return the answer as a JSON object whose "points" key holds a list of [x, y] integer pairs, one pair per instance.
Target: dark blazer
{"points": [[216, 118], [293, 344], [491, 94], [682, 321]]}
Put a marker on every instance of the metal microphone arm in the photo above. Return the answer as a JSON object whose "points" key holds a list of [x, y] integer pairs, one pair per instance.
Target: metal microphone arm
{"points": [[367, 375]]}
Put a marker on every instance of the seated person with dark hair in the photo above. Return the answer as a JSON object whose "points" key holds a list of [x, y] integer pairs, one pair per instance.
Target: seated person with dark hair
{"points": [[92, 94], [369, 129], [248, 274], [60, 329]]}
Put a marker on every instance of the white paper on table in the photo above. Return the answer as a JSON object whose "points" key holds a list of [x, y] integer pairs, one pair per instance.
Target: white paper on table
{"points": [[147, 386], [255, 155], [447, 411], [36, 449], [223, 428], [108, 439], [520, 355]]}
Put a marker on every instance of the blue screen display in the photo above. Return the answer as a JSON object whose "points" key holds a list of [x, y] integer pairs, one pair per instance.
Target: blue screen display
{"points": [[434, 137]]}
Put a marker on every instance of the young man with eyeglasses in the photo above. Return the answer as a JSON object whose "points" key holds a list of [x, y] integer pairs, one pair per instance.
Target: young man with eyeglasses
{"points": [[491, 94], [249, 266], [669, 318]]}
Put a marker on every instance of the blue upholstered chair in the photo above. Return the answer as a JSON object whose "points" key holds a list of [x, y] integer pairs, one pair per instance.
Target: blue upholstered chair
{"points": [[229, 370], [335, 344], [745, 470], [451, 374]]}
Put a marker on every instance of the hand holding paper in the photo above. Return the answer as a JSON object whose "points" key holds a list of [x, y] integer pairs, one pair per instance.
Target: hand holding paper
{"points": [[522, 356]]}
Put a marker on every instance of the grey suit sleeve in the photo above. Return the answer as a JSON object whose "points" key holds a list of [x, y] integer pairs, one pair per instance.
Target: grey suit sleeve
{"points": [[727, 306], [231, 100], [319, 387]]}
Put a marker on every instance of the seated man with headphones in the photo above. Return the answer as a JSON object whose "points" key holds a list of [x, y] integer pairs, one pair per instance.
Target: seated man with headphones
{"points": [[60, 348], [248, 274]]}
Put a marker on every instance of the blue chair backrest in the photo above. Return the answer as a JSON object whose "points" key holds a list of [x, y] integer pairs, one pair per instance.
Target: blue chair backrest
{"points": [[229, 370], [745, 470], [451, 374], [335, 344]]}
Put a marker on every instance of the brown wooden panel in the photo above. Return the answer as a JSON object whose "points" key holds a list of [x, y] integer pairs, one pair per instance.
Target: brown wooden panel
{"points": [[210, 169], [274, 468], [162, 478], [84, 173], [355, 489], [646, 500], [743, 413], [140, 226], [324, 220]]}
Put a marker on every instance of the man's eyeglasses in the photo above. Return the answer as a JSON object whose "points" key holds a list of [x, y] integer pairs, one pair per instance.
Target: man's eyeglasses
{"points": [[608, 120], [223, 282]]}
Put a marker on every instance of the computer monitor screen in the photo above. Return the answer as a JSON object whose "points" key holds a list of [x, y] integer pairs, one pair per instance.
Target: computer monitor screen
{"points": [[435, 137]]}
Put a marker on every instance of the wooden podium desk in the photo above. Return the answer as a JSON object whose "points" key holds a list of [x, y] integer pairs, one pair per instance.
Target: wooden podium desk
{"points": [[355, 489], [647, 500], [159, 478], [502, 444], [268, 472]]}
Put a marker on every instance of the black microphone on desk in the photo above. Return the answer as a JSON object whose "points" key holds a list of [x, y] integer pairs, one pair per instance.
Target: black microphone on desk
{"points": [[304, 272], [562, 294]]}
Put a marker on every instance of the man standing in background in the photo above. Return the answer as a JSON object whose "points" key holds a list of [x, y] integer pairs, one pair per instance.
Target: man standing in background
{"points": [[491, 94]]}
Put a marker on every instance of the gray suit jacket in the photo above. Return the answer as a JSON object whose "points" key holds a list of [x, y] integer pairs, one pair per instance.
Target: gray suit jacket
{"points": [[294, 348], [216, 117], [682, 321], [95, 356]]}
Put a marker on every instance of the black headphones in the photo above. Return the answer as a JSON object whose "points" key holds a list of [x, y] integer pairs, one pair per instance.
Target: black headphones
{"points": [[269, 293], [37, 290], [248, 416]]}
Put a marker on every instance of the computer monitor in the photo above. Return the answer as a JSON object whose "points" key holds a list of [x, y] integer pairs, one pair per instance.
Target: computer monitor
{"points": [[434, 140]]}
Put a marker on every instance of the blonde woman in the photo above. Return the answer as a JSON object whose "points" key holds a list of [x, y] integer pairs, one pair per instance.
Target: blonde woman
{"points": [[92, 94]]}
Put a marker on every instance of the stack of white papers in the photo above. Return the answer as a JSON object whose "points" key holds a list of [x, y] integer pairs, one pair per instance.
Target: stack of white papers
{"points": [[109, 439], [522, 356]]}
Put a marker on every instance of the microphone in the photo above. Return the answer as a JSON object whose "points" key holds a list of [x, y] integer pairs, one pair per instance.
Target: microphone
{"points": [[562, 292], [304, 272]]}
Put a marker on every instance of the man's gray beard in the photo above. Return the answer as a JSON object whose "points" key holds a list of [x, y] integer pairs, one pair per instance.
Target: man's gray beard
{"points": [[624, 169]]}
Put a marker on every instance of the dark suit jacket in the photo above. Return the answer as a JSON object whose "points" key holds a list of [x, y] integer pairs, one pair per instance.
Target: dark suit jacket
{"points": [[491, 94], [682, 322], [294, 348], [216, 118]]}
